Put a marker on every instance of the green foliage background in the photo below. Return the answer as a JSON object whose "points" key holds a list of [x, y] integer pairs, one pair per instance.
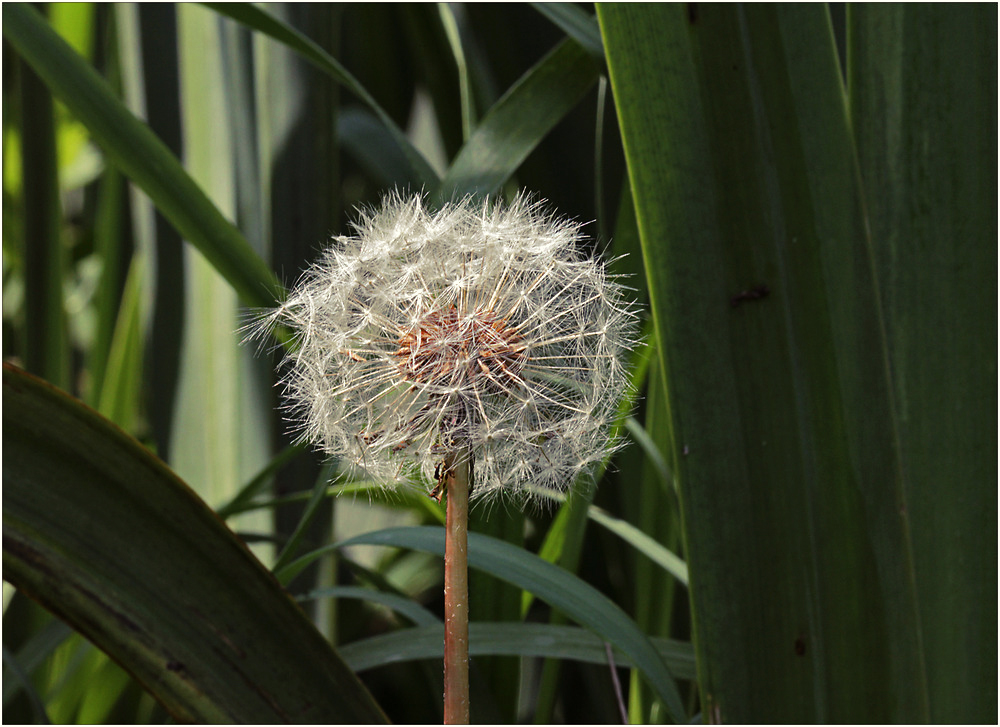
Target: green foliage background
{"points": [[802, 525]]}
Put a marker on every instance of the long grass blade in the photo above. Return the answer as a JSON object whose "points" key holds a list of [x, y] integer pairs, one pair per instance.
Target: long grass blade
{"points": [[421, 173], [139, 154], [511, 639], [512, 128], [556, 586]]}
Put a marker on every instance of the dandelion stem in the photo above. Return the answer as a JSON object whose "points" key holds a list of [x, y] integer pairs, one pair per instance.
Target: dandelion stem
{"points": [[458, 469]]}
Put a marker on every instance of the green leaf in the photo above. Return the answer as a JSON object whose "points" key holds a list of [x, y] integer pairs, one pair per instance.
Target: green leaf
{"points": [[30, 656], [576, 24], [643, 543], [747, 195], [561, 589], [923, 99], [242, 499], [401, 604], [119, 394], [366, 139], [510, 639], [104, 535], [140, 155], [46, 349], [421, 174], [516, 123], [19, 677]]}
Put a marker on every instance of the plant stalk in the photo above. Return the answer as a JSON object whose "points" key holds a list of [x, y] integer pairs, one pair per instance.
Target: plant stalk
{"points": [[458, 474]]}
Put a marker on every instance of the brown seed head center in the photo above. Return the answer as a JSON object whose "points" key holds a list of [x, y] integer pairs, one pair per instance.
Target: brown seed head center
{"points": [[451, 348]]}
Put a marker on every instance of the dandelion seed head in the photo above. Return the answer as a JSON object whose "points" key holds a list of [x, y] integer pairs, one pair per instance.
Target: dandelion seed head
{"points": [[479, 325]]}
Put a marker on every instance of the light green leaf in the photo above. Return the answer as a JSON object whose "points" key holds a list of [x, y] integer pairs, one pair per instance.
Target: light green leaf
{"points": [[576, 23], [140, 154], [653, 550]]}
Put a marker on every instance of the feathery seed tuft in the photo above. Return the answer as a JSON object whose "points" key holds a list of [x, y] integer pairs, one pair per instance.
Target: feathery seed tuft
{"points": [[480, 326]]}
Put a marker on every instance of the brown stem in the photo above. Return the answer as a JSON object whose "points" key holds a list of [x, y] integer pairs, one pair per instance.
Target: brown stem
{"points": [[456, 589]]}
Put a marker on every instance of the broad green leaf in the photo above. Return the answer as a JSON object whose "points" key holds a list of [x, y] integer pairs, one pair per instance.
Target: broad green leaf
{"points": [[511, 639], [104, 535], [140, 155], [515, 125], [923, 98], [561, 589], [747, 196], [421, 173]]}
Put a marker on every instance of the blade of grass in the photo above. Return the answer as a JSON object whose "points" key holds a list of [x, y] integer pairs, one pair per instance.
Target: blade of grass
{"points": [[140, 155], [512, 639], [515, 125], [400, 604], [119, 397], [554, 585], [577, 24], [421, 173], [24, 682], [46, 349]]}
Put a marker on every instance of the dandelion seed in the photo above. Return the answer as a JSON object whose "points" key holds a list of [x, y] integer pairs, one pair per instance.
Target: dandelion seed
{"points": [[480, 327]]}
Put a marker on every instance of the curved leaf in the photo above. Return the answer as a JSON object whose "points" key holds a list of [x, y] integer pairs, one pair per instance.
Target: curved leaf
{"points": [[420, 172], [576, 23], [659, 554], [516, 123], [561, 589], [104, 534], [400, 604], [507, 639], [140, 154]]}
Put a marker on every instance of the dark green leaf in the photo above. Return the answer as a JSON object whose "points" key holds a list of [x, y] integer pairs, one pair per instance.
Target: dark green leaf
{"points": [[515, 125], [511, 639], [561, 589], [923, 93], [104, 535], [759, 265], [421, 174]]}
